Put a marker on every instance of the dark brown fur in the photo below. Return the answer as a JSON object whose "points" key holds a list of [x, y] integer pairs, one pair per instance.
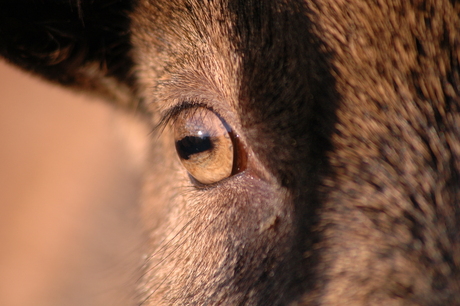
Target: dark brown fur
{"points": [[348, 112]]}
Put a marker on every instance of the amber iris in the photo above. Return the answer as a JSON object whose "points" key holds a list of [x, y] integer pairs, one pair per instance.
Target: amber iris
{"points": [[204, 145]]}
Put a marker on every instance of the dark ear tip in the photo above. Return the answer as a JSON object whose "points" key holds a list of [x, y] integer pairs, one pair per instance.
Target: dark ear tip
{"points": [[35, 48], [58, 39], [38, 33]]}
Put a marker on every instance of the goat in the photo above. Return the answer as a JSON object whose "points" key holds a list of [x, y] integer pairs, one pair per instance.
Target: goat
{"points": [[303, 152]]}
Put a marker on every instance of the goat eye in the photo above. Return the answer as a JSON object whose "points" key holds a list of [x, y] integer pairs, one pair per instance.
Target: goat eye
{"points": [[204, 145]]}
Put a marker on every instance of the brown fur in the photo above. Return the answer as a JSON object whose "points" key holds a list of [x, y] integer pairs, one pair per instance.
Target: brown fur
{"points": [[348, 112]]}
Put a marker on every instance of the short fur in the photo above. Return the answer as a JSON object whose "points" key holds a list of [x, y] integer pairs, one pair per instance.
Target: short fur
{"points": [[349, 112]]}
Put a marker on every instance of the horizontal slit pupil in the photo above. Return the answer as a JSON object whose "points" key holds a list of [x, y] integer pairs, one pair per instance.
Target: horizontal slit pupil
{"points": [[190, 145]]}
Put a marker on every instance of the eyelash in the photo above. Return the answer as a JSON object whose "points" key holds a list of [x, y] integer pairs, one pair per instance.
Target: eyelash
{"points": [[170, 115]]}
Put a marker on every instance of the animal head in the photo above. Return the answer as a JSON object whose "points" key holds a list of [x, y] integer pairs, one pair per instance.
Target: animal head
{"points": [[303, 152]]}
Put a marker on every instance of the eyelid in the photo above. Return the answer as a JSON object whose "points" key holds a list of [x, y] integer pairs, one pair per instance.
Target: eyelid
{"points": [[171, 114]]}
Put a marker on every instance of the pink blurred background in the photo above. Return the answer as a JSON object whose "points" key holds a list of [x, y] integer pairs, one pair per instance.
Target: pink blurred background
{"points": [[70, 167]]}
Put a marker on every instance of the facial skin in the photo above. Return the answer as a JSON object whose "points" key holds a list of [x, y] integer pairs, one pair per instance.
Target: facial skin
{"points": [[341, 119]]}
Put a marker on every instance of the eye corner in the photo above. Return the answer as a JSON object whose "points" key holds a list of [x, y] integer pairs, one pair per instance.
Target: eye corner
{"points": [[241, 156]]}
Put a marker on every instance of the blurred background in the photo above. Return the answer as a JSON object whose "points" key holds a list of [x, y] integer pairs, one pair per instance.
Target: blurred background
{"points": [[70, 171]]}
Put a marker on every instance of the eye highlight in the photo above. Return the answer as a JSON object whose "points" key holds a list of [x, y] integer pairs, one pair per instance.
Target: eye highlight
{"points": [[204, 145]]}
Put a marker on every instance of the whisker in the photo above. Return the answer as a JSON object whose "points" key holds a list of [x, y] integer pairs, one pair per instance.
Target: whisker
{"points": [[178, 245]]}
